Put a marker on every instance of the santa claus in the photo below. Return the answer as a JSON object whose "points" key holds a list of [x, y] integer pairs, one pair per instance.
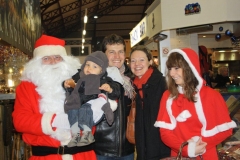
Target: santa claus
{"points": [[38, 111]]}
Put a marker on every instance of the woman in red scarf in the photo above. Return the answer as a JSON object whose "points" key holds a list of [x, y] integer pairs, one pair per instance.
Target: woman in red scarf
{"points": [[149, 85]]}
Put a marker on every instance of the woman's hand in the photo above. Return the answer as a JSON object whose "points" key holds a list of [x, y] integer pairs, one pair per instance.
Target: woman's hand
{"points": [[200, 147]]}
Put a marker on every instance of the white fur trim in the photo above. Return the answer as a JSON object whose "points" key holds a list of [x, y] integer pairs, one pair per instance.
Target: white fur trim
{"points": [[173, 121], [201, 117], [217, 129], [49, 50], [183, 116], [195, 138], [113, 104], [46, 123], [191, 149], [194, 70], [67, 157]]}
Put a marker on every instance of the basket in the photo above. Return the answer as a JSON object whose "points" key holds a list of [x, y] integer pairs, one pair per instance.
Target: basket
{"points": [[179, 155]]}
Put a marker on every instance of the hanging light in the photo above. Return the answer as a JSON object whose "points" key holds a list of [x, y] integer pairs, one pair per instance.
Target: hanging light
{"points": [[84, 29], [85, 19]]}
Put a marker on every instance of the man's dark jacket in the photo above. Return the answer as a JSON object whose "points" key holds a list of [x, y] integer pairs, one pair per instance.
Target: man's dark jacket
{"points": [[111, 140]]}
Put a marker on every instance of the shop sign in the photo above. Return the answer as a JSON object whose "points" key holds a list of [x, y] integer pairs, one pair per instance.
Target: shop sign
{"points": [[165, 51], [192, 8], [139, 32]]}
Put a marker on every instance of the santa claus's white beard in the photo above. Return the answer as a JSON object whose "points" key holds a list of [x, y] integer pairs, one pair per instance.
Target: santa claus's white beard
{"points": [[49, 79], [50, 88]]}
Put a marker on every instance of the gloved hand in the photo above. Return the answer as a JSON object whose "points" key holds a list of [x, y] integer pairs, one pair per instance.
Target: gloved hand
{"points": [[63, 135], [108, 113], [61, 121]]}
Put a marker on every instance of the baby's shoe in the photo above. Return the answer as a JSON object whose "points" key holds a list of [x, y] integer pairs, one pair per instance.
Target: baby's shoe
{"points": [[90, 137], [86, 138], [74, 140]]}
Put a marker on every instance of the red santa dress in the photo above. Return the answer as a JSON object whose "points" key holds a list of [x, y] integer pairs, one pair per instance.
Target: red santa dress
{"points": [[180, 120]]}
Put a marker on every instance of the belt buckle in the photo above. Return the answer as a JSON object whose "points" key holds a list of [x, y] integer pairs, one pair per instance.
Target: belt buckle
{"points": [[61, 150]]}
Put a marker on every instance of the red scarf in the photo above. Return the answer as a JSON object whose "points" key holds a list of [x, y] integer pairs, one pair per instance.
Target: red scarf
{"points": [[139, 82]]}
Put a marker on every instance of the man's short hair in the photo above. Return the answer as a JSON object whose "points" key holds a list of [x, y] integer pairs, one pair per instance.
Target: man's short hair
{"points": [[112, 39]]}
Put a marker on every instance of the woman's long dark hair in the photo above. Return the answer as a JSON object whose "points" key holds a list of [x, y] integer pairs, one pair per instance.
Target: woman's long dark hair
{"points": [[190, 81]]}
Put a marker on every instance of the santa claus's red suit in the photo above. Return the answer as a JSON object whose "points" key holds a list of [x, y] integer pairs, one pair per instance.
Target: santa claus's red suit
{"points": [[39, 101], [181, 120]]}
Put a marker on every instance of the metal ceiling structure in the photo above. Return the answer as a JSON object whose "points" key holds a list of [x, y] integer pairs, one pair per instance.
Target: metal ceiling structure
{"points": [[64, 18]]}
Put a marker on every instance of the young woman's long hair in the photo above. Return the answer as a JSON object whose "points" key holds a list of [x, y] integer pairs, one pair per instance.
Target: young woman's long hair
{"points": [[190, 81]]}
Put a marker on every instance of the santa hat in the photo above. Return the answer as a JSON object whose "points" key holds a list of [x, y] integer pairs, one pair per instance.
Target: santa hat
{"points": [[48, 45], [193, 61]]}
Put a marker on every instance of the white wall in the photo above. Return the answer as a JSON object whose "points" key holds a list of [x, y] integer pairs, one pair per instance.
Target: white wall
{"points": [[175, 41], [212, 11]]}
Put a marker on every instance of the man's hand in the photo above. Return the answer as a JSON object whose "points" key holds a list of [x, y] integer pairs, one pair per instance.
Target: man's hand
{"points": [[61, 121]]}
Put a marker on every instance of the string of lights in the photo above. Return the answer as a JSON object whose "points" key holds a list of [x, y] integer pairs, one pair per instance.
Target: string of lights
{"points": [[84, 30]]}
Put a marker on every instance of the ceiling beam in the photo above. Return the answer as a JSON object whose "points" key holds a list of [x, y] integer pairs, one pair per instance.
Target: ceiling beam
{"points": [[104, 8]]}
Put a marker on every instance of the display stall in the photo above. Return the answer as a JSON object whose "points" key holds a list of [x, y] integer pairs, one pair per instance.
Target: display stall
{"points": [[20, 26], [12, 61]]}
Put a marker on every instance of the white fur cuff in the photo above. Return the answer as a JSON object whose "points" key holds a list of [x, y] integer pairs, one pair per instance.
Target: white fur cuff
{"points": [[191, 149], [46, 123]]}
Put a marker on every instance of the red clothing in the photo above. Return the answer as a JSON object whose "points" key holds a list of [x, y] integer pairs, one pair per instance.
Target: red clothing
{"points": [[182, 131], [34, 126], [143, 80], [181, 120]]}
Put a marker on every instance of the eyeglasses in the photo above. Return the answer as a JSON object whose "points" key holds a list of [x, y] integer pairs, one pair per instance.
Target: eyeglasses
{"points": [[50, 59]]}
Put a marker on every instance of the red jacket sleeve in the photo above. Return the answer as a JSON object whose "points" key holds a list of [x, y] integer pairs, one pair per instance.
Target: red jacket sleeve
{"points": [[26, 116], [216, 112]]}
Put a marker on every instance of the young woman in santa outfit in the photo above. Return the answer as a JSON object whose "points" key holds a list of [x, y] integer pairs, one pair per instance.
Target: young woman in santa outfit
{"points": [[149, 85], [190, 110]]}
